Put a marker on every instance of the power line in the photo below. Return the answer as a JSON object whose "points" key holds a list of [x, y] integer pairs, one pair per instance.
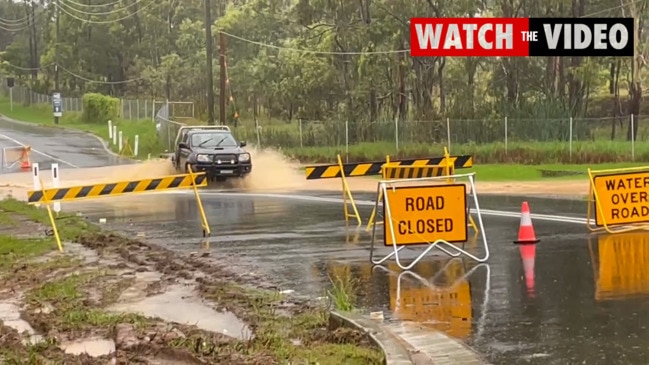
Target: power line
{"points": [[114, 11], [15, 21], [151, 4], [14, 30], [5, 63], [311, 51], [97, 81], [93, 5]]}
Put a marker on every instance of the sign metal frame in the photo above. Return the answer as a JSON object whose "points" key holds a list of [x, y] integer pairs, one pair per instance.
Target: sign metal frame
{"points": [[444, 246]]}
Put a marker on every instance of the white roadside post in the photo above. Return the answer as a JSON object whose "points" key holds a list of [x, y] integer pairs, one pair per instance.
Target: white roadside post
{"points": [[114, 135], [110, 129], [55, 184], [136, 146], [120, 140], [37, 179]]}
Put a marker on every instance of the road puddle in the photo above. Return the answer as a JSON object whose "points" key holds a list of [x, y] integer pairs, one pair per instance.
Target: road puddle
{"points": [[94, 347], [180, 304]]}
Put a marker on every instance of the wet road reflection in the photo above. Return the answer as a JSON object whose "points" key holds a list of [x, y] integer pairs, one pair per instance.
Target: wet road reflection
{"points": [[572, 298]]}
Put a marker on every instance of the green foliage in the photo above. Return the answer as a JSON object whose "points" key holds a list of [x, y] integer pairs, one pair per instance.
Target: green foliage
{"points": [[99, 109]]}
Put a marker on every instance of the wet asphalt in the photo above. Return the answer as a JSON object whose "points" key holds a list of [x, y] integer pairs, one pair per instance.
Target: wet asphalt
{"points": [[574, 298], [49, 145]]}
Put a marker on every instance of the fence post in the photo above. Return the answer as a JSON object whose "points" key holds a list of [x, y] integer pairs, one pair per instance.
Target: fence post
{"points": [[570, 141], [346, 141], [300, 124], [448, 133], [136, 145], [396, 133], [632, 138], [257, 128], [506, 135]]}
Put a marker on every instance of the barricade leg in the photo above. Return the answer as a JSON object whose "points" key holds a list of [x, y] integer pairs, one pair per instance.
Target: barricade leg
{"points": [[199, 202], [57, 237], [55, 229], [347, 194], [372, 221]]}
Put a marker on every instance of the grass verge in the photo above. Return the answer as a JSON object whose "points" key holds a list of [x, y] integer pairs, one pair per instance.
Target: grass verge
{"points": [[527, 153], [149, 143], [544, 172], [66, 298]]}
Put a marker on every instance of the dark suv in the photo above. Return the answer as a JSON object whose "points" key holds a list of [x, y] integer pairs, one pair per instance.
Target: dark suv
{"points": [[214, 151]]}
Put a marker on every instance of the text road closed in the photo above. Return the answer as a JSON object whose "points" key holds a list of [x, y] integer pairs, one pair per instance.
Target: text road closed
{"points": [[425, 214]]}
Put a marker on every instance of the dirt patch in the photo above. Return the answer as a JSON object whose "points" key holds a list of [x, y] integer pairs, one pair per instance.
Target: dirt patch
{"points": [[115, 299]]}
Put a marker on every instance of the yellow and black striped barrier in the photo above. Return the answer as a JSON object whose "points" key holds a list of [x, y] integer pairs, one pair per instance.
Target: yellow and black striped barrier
{"points": [[415, 172], [388, 169], [187, 181], [118, 188], [374, 168]]}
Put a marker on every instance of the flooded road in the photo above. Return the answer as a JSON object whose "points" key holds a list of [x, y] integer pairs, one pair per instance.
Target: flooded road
{"points": [[573, 298]]}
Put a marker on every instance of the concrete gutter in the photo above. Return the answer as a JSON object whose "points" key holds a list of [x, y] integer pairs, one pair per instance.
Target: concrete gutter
{"points": [[406, 343], [435, 345], [396, 353]]}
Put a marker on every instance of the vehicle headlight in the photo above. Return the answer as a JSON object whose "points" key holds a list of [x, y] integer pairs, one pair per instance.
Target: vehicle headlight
{"points": [[244, 157], [203, 158]]}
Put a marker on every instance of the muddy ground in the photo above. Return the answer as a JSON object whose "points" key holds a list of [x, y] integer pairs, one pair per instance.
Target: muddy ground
{"points": [[110, 299]]}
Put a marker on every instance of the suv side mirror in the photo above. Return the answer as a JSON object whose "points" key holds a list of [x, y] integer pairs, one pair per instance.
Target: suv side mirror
{"points": [[242, 144], [183, 145]]}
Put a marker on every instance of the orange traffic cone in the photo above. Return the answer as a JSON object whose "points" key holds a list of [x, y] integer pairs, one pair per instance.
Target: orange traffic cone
{"points": [[25, 164], [526, 230], [528, 254]]}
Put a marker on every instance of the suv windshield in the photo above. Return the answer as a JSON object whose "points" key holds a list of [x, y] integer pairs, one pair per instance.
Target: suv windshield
{"points": [[213, 140]]}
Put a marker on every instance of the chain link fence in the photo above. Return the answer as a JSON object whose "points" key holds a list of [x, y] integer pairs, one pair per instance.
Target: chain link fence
{"points": [[130, 109], [167, 129], [569, 134]]}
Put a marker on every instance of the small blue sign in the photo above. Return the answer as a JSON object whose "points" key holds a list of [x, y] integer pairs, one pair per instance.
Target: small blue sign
{"points": [[57, 104]]}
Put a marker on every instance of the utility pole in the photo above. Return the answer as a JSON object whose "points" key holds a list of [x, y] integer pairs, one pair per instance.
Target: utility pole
{"points": [[223, 86], [56, 57], [209, 47]]}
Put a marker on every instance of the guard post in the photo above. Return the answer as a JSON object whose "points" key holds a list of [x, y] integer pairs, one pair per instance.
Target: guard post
{"points": [[620, 200], [73, 193], [343, 171], [433, 214]]}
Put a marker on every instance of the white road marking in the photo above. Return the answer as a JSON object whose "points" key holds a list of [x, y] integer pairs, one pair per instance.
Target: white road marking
{"points": [[37, 151], [488, 212]]}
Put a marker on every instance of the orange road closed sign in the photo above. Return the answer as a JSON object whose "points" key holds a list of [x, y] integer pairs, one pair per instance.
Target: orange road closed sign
{"points": [[622, 198], [425, 214]]}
